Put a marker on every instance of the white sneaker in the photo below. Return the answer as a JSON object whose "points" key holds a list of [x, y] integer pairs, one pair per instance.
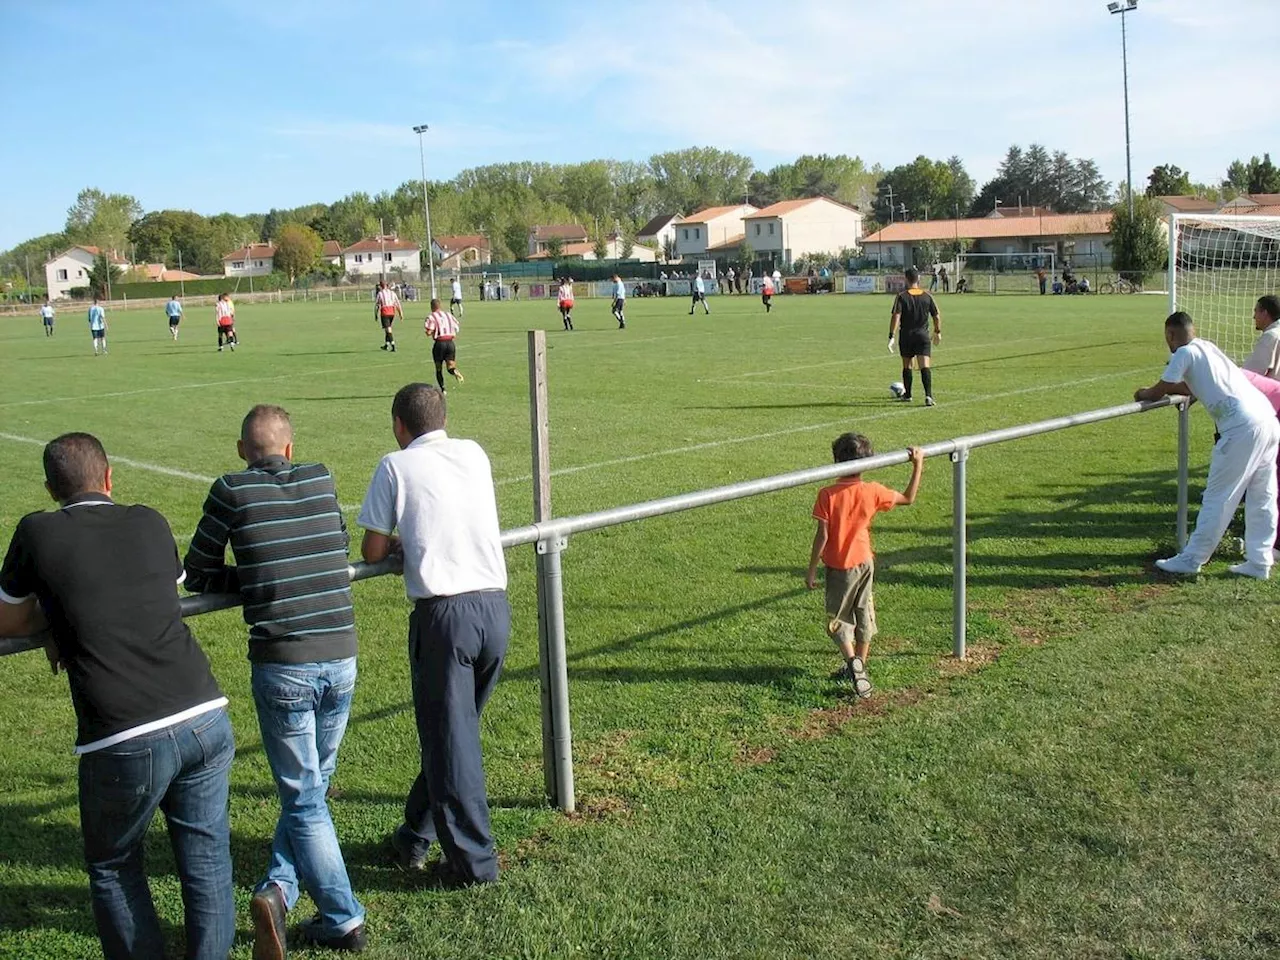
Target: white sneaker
{"points": [[1178, 565], [1250, 569]]}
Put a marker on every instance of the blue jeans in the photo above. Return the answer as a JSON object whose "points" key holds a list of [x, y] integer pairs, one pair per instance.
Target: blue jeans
{"points": [[181, 770], [302, 711]]}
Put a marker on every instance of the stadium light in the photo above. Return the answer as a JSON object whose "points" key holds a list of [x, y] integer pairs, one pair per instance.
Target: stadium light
{"points": [[1122, 7], [426, 207]]}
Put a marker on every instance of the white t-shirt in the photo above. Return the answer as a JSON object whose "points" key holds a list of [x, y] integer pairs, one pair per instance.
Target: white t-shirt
{"points": [[699, 286], [47, 311], [1265, 358], [619, 291], [455, 290], [1219, 384], [438, 493], [777, 278]]}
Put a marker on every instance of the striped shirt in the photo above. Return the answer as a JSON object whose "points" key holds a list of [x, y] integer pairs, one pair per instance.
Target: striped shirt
{"points": [[225, 311], [441, 325], [290, 544], [387, 301]]}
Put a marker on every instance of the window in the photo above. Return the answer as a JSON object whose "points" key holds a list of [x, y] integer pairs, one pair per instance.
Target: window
{"points": [[757, 229], [771, 229], [386, 258], [62, 274], [79, 273], [257, 263], [697, 233], [686, 234], [359, 258], [237, 264]]}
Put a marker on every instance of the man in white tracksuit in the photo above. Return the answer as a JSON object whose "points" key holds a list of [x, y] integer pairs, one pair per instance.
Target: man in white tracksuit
{"points": [[1244, 458]]}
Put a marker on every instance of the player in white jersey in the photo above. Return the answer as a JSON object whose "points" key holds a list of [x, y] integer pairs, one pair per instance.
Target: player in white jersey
{"points": [[455, 296], [387, 308], [564, 298], [699, 294], [46, 316], [98, 327], [620, 302], [442, 327]]}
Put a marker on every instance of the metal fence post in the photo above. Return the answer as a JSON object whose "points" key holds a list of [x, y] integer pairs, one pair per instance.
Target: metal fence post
{"points": [[959, 555], [558, 670], [1184, 458], [540, 446]]}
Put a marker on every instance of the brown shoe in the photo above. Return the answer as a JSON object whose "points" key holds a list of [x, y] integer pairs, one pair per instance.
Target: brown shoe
{"points": [[268, 911]]}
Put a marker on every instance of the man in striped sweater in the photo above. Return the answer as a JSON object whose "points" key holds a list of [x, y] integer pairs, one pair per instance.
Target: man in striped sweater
{"points": [[286, 530], [442, 327]]}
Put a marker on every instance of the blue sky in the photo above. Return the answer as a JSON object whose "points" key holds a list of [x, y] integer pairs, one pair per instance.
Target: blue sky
{"points": [[242, 105]]}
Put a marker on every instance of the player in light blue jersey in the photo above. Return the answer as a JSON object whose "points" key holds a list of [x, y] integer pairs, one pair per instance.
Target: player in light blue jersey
{"points": [[47, 315], [98, 327], [173, 310], [619, 302]]}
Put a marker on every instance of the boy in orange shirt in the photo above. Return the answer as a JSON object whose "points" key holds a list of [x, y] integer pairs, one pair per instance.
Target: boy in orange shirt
{"points": [[844, 512]]}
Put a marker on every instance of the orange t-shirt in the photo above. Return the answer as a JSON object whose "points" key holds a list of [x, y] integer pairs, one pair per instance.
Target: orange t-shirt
{"points": [[847, 508]]}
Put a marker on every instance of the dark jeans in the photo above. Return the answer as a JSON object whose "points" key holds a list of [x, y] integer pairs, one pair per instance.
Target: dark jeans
{"points": [[181, 770], [456, 647]]}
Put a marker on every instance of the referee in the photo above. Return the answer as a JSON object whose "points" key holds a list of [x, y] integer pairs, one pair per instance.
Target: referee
{"points": [[910, 324]]}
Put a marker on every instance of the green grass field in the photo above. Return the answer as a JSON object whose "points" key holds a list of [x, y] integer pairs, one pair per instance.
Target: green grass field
{"points": [[1098, 781]]}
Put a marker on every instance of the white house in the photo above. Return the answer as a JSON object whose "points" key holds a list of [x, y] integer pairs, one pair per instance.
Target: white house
{"points": [[331, 252], [658, 231], [71, 268], [254, 260], [382, 256], [713, 227], [792, 229]]}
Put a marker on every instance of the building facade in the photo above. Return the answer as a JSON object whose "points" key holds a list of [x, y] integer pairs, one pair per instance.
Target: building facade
{"points": [[253, 260], [70, 269], [385, 256]]}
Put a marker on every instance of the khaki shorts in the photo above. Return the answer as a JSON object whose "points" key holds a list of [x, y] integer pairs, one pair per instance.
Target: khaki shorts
{"points": [[851, 607]]}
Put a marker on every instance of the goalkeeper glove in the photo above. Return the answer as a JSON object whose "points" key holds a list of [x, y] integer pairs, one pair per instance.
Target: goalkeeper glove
{"points": [[891, 344]]}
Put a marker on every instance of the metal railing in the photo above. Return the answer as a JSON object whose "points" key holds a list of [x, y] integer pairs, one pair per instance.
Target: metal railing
{"points": [[551, 537]]}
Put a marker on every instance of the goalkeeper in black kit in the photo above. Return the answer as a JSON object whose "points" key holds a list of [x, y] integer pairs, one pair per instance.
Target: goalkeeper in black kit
{"points": [[909, 324]]}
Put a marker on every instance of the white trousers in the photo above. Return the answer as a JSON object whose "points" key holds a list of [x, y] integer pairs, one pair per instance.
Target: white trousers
{"points": [[1243, 465]]}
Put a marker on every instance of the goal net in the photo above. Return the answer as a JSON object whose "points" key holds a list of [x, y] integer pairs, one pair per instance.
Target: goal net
{"points": [[1220, 265]]}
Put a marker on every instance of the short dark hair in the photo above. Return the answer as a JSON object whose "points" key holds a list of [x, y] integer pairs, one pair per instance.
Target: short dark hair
{"points": [[1270, 305], [420, 407], [1180, 320], [74, 463], [850, 446], [912, 274], [435, 303]]}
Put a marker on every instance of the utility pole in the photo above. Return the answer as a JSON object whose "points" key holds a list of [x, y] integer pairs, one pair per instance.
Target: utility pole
{"points": [[1123, 7]]}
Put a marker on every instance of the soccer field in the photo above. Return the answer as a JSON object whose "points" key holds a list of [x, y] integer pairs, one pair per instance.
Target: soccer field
{"points": [[697, 657]]}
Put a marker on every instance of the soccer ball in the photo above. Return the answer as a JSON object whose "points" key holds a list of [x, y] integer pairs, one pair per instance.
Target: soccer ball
{"points": [[897, 389]]}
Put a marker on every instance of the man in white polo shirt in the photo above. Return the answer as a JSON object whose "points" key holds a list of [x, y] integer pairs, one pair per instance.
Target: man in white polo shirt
{"points": [[1243, 460], [1265, 358], [438, 493]]}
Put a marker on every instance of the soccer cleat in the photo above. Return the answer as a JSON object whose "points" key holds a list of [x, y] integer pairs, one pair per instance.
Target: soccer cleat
{"points": [[393, 348], [1250, 569], [384, 346], [1178, 565], [930, 402]]}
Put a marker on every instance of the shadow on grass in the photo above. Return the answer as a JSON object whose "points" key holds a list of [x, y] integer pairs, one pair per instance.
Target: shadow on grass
{"points": [[1031, 355], [837, 405]]}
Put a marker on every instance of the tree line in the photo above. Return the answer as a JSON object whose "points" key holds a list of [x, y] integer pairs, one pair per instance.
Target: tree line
{"points": [[504, 200]]}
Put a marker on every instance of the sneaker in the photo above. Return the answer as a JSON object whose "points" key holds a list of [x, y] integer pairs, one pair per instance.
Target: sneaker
{"points": [[1250, 569], [353, 941], [457, 375], [858, 674], [384, 346], [407, 858], [1178, 565], [930, 402], [905, 398], [268, 912]]}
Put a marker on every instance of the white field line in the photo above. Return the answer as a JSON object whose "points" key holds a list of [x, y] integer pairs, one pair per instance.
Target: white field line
{"points": [[851, 417]]}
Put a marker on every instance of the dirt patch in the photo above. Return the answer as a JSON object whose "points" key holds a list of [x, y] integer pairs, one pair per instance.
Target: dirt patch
{"points": [[977, 656]]}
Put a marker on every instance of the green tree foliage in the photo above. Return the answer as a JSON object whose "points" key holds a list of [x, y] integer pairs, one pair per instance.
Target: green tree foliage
{"points": [[1036, 178], [1138, 243], [29, 256], [102, 275], [1255, 176], [600, 247], [688, 180], [101, 219], [1167, 180], [935, 189], [297, 250], [555, 248], [839, 177]]}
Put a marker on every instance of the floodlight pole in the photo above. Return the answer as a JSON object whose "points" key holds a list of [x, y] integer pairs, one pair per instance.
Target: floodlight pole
{"points": [[1124, 7], [426, 207]]}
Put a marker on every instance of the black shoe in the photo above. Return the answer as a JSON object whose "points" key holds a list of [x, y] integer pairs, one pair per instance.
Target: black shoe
{"points": [[353, 941], [268, 912], [444, 876], [905, 398], [406, 857]]}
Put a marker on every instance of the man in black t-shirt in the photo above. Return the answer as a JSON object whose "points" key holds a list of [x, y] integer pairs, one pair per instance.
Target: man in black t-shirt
{"points": [[152, 727], [909, 322]]}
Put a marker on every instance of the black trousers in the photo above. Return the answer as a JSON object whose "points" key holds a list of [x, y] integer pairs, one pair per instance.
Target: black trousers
{"points": [[456, 648]]}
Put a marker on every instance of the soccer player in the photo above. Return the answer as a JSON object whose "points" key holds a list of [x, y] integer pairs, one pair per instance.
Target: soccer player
{"points": [[388, 309], [619, 302], [564, 297], [766, 293], [1265, 358], [47, 315], [1243, 462], [224, 311], [699, 295], [842, 542], [441, 326], [455, 296], [912, 310], [173, 309], [777, 280], [98, 327]]}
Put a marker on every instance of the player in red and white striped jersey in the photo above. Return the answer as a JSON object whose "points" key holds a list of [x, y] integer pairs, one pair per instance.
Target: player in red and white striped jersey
{"points": [[224, 312], [442, 327], [387, 307]]}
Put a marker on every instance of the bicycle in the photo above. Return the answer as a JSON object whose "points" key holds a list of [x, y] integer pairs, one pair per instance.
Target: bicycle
{"points": [[1120, 285]]}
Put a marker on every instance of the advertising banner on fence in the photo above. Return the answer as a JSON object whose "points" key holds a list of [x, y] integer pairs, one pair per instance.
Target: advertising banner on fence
{"points": [[894, 283], [537, 291], [859, 284]]}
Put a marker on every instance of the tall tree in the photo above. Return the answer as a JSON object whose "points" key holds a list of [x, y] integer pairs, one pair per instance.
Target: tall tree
{"points": [[1037, 178], [101, 219], [1138, 245], [926, 188], [688, 180], [1168, 180], [102, 275], [297, 250]]}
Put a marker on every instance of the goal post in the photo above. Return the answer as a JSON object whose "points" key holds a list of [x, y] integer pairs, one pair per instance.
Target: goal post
{"points": [[1219, 265]]}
